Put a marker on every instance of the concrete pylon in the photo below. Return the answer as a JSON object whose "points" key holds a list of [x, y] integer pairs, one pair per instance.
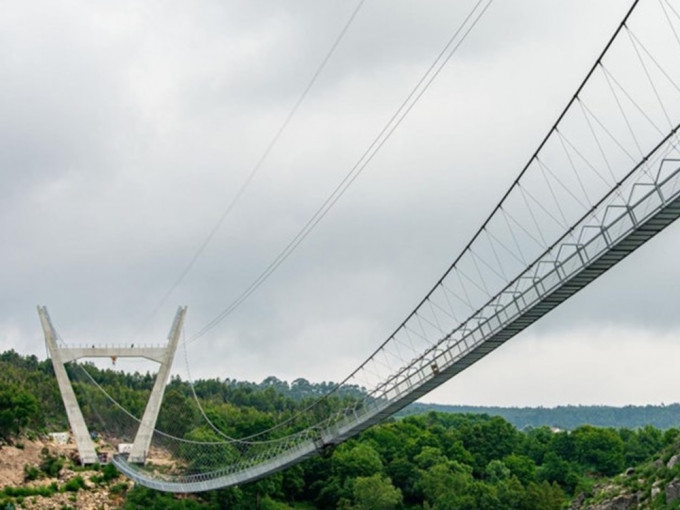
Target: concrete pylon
{"points": [[164, 355], [140, 447], [86, 450]]}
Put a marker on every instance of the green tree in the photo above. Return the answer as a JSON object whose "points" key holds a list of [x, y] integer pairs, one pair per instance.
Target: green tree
{"points": [[375, 492], [599, 449], [354, 460], [447, 485], [17, 409]]}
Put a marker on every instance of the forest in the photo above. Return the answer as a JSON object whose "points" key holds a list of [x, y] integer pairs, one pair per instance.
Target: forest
{"points": [[432, 460]]}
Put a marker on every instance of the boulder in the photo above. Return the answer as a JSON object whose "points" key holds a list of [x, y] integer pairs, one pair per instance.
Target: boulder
{"points": [[577, 503], [622, 502], [673, 491]]}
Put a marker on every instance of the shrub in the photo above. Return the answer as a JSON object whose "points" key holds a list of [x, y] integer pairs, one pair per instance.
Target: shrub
{"points": [[74, 484], [119, 488], [31, 473], [109, 472], [51, 465]]}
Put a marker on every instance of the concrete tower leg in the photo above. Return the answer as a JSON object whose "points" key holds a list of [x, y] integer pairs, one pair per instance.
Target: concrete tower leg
{"points": [[140, 448], [86, 450], [162, 355]]}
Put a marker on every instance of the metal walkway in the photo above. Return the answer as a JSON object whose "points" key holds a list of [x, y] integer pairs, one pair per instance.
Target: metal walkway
{"points": [[634, 211]]}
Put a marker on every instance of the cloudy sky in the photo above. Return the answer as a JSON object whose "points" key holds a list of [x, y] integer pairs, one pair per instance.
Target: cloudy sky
{"points": [[127, 128]]}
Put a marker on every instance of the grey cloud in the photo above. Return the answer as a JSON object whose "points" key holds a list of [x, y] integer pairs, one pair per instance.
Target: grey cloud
{"points": [[127, 128]]}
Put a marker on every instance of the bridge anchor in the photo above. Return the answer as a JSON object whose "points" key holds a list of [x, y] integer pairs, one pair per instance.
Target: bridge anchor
{"points": [[163, 355]]}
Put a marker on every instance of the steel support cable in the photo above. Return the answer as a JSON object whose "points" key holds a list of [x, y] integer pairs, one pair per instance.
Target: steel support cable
{"points": [[423, 333], [408, 347], [633, 102], [545, 172], [510, 189], [636, 42], [132, 416], [656, 63], [546, 211], [170, 436], [63, 344], [435, 315], [607, 196], [585, 160], [489, 239], [389, 128], [504, 215], [505, 247], [363, 161], [636, 105], [521, 173], [488, 265], [670, 23], [261, 160], [462, 274], [87, 395], [670, 6], [196, 399], [475, 262], [398, 350], [456, 295], [597, 140], [533, 216], [573, 167], [633, 41], [466, 296], [524, 229], [434, 323], [569, 192], [448, 313], [608, 132], [623, 114]]}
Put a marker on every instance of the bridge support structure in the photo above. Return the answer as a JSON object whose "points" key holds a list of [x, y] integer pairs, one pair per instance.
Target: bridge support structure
{"points": [[164, 355]]}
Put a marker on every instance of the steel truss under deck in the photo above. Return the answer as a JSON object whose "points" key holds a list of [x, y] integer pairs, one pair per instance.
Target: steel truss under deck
{"points": [[619, 224]]}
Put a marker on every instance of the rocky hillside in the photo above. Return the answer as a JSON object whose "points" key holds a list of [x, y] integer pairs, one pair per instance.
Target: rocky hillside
{"points": [[649, 486], [38, 474]]}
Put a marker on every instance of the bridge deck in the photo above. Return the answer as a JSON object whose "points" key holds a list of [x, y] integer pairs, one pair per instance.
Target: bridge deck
{"points": [[550, 280]]}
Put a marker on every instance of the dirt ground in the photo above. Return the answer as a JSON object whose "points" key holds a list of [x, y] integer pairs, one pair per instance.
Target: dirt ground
{"points": [[12, 462]]}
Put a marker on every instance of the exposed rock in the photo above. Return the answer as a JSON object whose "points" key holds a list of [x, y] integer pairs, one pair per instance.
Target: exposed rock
{"points": [[629, 471], [65, 475], [622, 502], [655, 489], [673, 461], [578, 501], [673, 490], [658, 463], [82, 500], [13, 460]]}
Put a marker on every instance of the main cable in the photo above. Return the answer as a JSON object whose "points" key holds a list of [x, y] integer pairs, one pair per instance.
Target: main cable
{"points": [[497, 208], [395, 120], [258, 165]]}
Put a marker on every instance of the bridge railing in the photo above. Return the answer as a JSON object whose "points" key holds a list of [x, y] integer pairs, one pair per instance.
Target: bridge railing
{"points": [[633, 202]]}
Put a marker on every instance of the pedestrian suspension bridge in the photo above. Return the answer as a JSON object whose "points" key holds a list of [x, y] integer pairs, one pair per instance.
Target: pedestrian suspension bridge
{"points": [[603, 181]]}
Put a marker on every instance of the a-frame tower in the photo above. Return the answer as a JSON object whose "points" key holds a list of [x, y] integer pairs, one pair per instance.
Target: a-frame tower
{"points": [[164, 355]]}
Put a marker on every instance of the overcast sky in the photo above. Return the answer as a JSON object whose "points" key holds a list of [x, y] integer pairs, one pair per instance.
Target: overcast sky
{"points": [[126, 129]]}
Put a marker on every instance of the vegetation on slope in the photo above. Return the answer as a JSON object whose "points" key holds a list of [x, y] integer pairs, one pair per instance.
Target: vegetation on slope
{"points": [[430, 461], [569, 416]]}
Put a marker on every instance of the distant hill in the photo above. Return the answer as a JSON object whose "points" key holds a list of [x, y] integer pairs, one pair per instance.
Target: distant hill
{"points": [[567, 417]]}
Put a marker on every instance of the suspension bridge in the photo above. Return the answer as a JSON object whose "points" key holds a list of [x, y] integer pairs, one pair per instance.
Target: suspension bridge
{"points": [[603, 181]]}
